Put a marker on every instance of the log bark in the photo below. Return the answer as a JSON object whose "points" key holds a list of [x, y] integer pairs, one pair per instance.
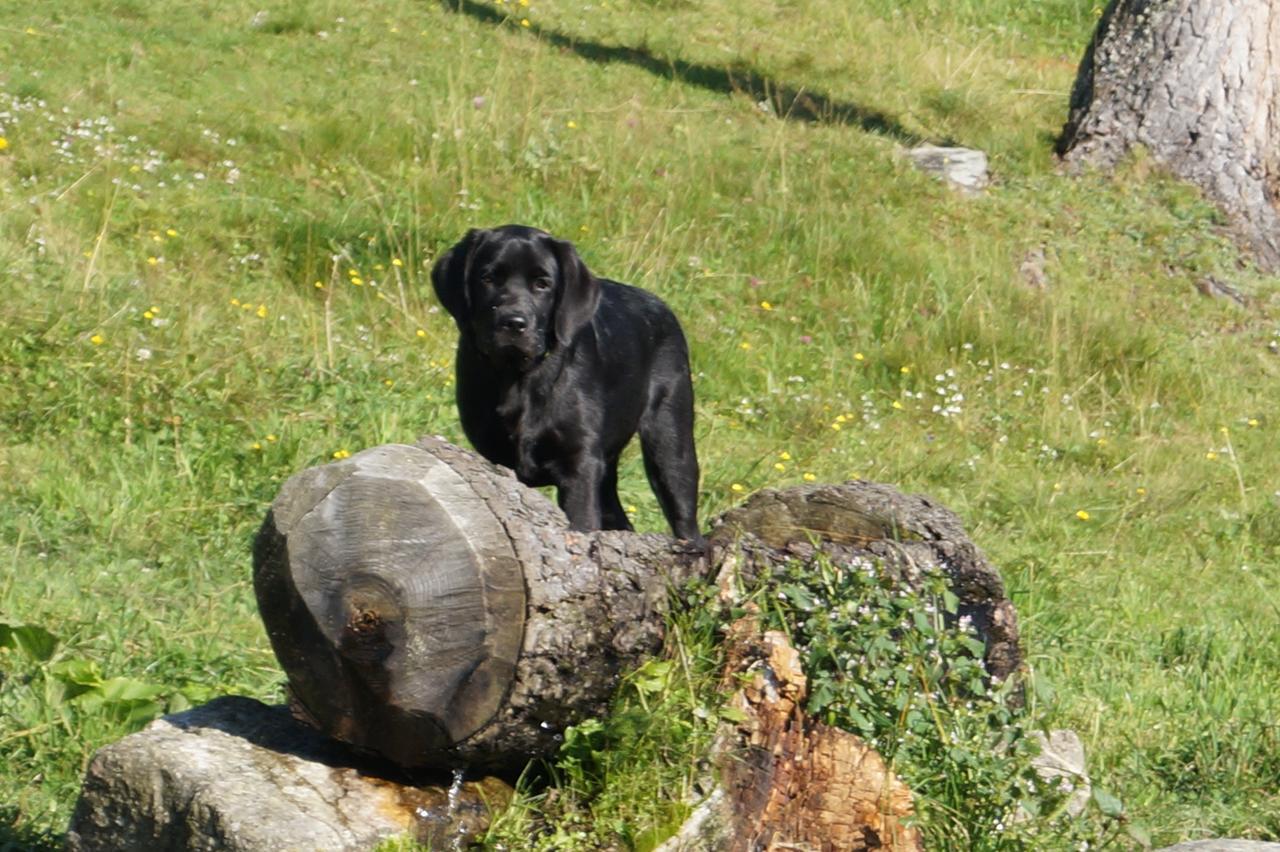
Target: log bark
{"points": [[428, 607], [1196, 82]]}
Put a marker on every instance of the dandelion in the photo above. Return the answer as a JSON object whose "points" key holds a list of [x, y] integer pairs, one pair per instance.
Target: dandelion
{"points": [[1082, 515], [341, 454], [319, 285], [4, 143], [148, 315], [840, 418], [744, 345], [904, 369], [235, 303], [1253, 422], [631, 510], [784, 455], [524, 22], [1211, 455], [809, 477], [766, 306], [356, 280], [779, 466], [397, 262], [421, 333], [737, 487], [272, 439], [152, 261], [571, 124], [171, 232], [897, 404], [97, 340], [388, 382], [858, 356], [1140, 491], [261, 312], [836, 426], [255, 446]]}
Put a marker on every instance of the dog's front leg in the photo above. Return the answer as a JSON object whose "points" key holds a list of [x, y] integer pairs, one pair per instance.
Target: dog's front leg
{"points": [[579, 495]]}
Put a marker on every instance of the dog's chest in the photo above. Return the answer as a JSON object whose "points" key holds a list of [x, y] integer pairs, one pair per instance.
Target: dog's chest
{"points": [[524, 430]]}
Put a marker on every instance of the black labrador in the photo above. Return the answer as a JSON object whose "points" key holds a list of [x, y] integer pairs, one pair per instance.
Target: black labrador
{"points": [[557, 369]]}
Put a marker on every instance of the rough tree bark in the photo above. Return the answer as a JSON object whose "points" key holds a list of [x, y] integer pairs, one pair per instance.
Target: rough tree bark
{"points": [[428, 607], [1197, 82]]}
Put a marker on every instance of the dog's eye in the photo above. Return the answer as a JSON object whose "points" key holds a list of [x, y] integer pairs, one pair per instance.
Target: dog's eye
{"points": [[542, 284]]}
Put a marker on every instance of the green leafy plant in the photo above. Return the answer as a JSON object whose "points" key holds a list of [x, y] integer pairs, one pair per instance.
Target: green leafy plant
{"points": [[895, 662]]}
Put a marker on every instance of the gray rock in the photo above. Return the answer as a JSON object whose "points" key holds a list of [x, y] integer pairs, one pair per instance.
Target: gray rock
{"points": [[1223, 846], [238, 775], [1061, 758], [964, 168]]}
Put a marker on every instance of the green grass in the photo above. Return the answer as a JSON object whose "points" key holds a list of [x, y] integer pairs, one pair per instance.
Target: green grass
{"points": [[178, 160]]}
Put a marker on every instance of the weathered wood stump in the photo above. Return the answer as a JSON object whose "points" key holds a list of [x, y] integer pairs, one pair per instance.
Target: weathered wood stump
{"points": [[428, 607]]}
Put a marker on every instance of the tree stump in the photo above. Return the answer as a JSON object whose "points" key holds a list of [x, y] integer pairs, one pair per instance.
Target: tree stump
{"points": [[428, 607], [1197, 82]]}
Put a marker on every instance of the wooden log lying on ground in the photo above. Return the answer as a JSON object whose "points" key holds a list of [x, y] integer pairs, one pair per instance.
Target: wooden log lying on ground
{"points": [[428, 607]]}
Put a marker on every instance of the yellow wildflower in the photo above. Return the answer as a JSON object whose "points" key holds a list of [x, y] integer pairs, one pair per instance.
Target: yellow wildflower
{"points": [[784, 455], [422, 333], [341, 454], [261, 311], [858, 356], [766, 306], [809, 477], [4, 143], [1082, 515], [737, 487], [97, 340], [395, 261]]}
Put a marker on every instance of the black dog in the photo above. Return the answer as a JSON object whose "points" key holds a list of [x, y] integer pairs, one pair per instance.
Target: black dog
{"points": [[557, 369]]}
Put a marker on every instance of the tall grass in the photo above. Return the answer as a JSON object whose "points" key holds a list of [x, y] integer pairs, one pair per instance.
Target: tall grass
{"points": [[216, 223]]}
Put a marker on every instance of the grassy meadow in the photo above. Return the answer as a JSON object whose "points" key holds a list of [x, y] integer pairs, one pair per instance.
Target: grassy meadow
{"points": [[217, 221]]}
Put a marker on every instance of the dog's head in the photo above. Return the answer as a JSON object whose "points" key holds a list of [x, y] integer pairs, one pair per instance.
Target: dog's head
{"points": [[518, 291]]}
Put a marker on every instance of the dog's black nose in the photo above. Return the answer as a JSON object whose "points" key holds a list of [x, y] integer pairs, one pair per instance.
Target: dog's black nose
{"points": [[513, 323]]}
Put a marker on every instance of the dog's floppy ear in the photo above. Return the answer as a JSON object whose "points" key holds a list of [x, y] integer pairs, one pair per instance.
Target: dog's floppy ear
{"points": [[579, 292], [450, 273]]}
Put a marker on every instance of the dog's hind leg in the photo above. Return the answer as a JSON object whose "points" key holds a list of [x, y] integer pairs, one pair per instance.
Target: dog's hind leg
{"points": [[670, 459]]}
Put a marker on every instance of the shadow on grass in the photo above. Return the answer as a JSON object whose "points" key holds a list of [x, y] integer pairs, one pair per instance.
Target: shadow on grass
{"points": [[789, 102], [19, 839]]}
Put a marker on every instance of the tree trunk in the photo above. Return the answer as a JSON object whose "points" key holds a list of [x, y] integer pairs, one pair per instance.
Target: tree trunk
{"points": [[1197, 82], [428, 607]]}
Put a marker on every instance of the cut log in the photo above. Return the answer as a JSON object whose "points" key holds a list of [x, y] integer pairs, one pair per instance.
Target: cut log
{"points": [[428, 607]]}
